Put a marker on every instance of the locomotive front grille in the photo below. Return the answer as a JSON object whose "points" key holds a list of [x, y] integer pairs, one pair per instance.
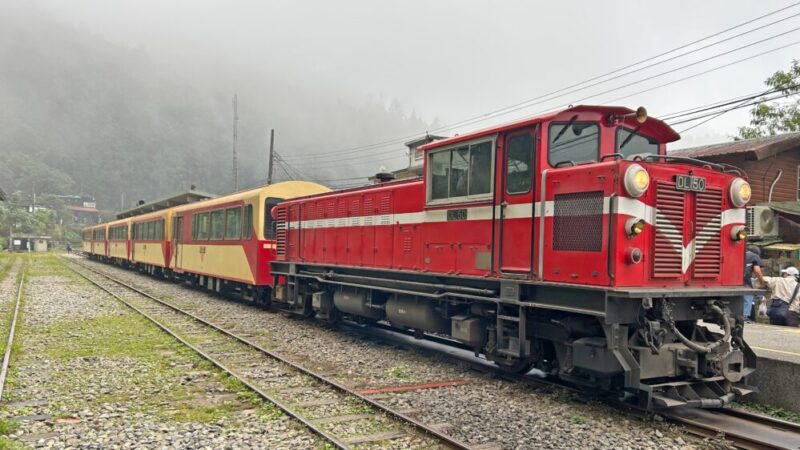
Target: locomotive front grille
{"points": [[708, 229], [693, 217], [668, 244]]}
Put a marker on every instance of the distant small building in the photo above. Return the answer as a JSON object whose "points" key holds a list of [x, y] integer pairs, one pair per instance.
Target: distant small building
{"points": [[82, 208], [2, 195], [29, 243]]}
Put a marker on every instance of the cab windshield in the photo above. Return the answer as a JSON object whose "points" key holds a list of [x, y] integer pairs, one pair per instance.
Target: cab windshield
{"points": [[573, 141], [630, 143]]}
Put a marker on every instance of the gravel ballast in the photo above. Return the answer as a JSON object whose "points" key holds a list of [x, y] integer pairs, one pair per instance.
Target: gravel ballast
{"points": [[485, 410], [90, 373]]}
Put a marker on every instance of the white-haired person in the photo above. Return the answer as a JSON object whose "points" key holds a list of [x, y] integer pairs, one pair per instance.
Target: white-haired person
{"points": [[784, 303]]}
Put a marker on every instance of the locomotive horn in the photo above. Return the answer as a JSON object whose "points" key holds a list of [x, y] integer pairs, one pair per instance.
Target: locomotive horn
{"points": [[640, 115]]}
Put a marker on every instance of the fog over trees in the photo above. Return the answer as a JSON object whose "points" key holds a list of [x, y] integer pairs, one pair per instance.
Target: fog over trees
{"points": [[82, 114]]}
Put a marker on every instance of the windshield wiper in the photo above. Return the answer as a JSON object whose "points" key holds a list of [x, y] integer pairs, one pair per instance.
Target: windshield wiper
{"points": [[564, 130], [630, 136]]}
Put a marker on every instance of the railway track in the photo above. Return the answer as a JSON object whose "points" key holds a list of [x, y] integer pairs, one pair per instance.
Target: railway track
{"points": [[10, 339], [321, 404], [743, 429]]}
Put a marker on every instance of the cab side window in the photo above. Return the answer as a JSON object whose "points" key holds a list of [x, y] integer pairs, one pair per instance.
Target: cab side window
{"points": [[462, 173], [519, 164]]}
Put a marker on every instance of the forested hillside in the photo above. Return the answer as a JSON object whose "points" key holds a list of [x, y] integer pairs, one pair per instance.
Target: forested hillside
{"points": [[81, 114]]}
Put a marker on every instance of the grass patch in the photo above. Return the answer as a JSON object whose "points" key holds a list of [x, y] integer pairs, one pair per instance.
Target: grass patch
{"points": [[8, 444], [769, 410], [400, 372], [577, 419], [8, 426]]}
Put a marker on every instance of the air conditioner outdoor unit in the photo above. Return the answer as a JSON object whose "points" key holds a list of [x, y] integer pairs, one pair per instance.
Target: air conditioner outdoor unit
{"points": [[761, 222]]}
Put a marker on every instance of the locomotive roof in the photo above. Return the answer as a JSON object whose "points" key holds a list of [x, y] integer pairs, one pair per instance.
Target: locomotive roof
{"points": [[284, 189], [652, 127]]}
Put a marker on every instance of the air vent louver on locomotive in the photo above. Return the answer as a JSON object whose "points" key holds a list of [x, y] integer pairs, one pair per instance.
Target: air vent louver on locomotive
{"points": [[708, 227], [578, 221], [280, 231], [668, 245]]}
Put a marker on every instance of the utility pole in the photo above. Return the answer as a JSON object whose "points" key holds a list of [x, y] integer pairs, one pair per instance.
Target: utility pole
{"points": [[271, 155], [235, 137]]}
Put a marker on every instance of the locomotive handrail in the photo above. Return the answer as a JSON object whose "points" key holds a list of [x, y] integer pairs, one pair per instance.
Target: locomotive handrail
{"points": [[572, 163], [697, 162], [615, 155]]}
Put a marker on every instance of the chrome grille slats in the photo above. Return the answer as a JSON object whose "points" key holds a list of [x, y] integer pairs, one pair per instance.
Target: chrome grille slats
{"points": [[668, 243]]}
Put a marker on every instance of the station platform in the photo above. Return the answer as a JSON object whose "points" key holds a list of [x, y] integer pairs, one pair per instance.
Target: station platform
{"points": [[777, 375], [775, 342]]}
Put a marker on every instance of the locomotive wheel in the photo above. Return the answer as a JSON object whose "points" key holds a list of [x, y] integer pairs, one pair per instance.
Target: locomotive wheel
{"points": [[334, 317], [515, 366]]}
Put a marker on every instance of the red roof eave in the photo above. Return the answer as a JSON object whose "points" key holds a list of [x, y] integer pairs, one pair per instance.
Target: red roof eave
{"points": [[653, 127]]}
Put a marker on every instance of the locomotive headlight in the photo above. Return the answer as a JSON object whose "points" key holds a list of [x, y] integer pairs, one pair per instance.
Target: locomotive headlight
{"points": [[636, 180], [739, 233], [740, 192], [634, 226]]}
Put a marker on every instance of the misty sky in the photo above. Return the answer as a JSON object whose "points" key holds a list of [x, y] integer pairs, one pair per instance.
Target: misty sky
{"points": [[452, 59]]}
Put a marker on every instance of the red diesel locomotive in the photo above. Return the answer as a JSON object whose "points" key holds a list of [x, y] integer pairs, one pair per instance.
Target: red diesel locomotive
{"points": [[570, 242]]}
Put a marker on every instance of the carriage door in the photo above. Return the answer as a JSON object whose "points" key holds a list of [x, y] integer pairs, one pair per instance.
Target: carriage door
{"points": [[516, 206], [177, 238]]}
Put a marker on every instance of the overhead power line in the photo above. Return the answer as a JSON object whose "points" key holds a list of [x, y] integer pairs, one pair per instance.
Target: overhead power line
{"points": [[378, 157], [514, 107]]}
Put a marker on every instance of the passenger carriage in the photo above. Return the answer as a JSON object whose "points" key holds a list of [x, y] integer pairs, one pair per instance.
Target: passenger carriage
{"points": [[119, 241], [225, 244], [95, 246], [150, 247]]}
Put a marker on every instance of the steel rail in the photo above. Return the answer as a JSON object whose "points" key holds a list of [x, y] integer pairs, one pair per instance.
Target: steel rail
{"points": [[10, 341], [413, 423], [744, 429], [772, 429]]}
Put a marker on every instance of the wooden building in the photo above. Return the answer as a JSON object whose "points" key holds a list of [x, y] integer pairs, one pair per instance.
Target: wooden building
{"points": [[764, 160], [772, 166]]}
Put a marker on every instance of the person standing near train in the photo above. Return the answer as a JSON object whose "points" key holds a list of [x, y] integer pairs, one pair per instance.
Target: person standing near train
{"points": [[752, 267], [784, 304]]}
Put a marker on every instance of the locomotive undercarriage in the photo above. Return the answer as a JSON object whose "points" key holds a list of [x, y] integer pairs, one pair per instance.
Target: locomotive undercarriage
{"points": [[658, 351]]}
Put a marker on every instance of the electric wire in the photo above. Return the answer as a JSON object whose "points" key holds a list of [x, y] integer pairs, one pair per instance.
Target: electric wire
{"points": [[512, 108]]}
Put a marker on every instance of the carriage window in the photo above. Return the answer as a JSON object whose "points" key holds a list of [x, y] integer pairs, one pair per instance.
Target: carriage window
{"points": [[461, 173], [233, 223], [203, 227], [519, 164], [573, 141], [217, 224], [247, 222], [630, 143]]}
